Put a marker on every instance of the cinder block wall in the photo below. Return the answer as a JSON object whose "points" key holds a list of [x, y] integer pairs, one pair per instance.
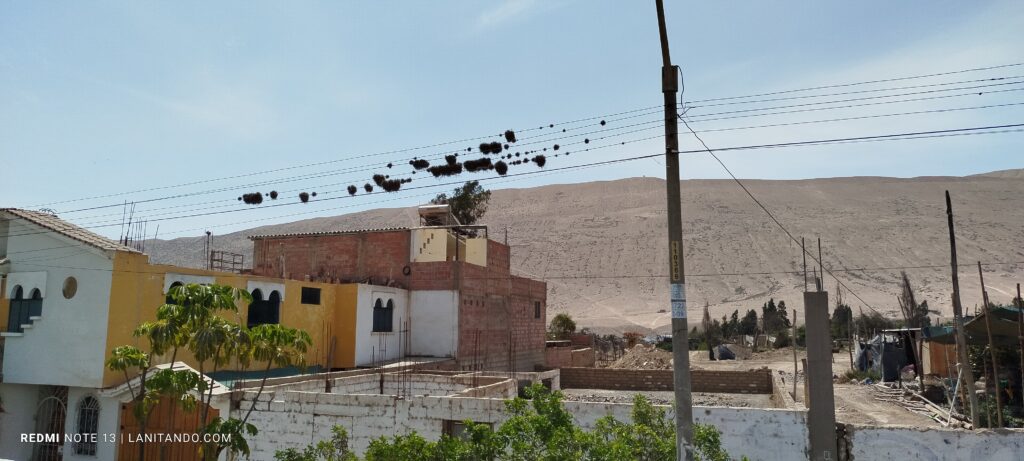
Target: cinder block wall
{"points": [[727, 382]]}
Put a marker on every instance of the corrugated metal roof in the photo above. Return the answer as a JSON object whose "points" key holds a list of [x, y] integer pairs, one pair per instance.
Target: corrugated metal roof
{"points": [[326, 233], [62, 227]]}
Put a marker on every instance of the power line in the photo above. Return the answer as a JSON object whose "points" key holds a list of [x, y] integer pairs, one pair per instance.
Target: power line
{"points": [[868, 82], [864, 98], [645, 111], [233, 202], [994, 129]]}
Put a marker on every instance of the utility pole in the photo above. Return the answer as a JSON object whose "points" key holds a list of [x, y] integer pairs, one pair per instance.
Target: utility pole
{"points": [[991, 346], [1020, 330], [677, 278], [958, 322]]}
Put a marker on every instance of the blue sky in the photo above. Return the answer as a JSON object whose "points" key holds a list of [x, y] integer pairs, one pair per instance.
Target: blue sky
{"points": [[100, 98]]}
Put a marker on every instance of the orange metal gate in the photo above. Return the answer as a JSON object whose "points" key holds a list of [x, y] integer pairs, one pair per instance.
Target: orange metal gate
{"points": [[167, 419]]}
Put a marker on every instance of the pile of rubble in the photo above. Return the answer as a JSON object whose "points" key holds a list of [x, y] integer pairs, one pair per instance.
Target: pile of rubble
{"points": [[644, 357]]}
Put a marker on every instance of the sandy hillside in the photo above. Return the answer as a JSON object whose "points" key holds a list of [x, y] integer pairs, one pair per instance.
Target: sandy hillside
{"points": [[601, 245]]}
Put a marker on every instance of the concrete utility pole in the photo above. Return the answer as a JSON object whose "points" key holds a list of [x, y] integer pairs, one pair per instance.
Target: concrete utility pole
{"points": [[677, 280], [958, 322], [821, 409], [991, 346], [1020, 331]]}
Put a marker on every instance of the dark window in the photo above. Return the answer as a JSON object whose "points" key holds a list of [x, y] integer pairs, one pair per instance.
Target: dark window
{"points": [[35, 304], [19, 312], [168, 299], [310, 295], [457, 429], [262, 311], [536, 309], [383, 315], [88, 423]]}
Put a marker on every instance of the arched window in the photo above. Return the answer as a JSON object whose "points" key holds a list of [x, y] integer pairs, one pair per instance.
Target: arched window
{"points": [[35, 305], [169, 299], [88, 423], [19, 312], [383, 315], [266, 311]]}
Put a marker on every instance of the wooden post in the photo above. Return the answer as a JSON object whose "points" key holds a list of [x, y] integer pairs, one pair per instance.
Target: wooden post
{"points": [[795, 371], [991, 346], [958, 320]]}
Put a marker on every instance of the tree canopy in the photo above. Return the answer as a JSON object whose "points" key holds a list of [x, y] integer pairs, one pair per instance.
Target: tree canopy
{"points": [[468, 203]]}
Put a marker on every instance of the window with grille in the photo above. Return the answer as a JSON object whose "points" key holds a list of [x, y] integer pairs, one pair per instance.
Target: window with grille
{"points": [[536, 309], [88, 424]]}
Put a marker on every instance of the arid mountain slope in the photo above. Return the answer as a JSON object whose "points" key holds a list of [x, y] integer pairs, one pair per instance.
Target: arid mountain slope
{"points": [[601, 246]]}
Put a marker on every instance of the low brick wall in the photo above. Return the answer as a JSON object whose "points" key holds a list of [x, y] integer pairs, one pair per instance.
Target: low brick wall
{"points": [[557, 357], [726, 382], [583, 357]]}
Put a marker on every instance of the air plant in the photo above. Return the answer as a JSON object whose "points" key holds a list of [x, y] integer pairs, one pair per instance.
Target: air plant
{"points": [[555, 147], [540, 160], [304, 196], [491, 147], [368, 187], [420, 164], [378, 179], [352, 190], [390, 165], [480, 164], [510, 136], [451, 159], [254, 198], [501, 167], [445, 170], [602, 122], [586, 141], [551, 125], [313, 194], [392, 185], [273, 195]]}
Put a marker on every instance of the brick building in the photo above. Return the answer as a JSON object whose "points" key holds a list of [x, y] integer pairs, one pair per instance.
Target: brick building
{"points": [[463, 302]]}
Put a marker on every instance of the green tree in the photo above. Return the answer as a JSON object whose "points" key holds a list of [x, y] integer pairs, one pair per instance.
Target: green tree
{"points": [[561, 326], [468, 203], [192, 321], [841, 321], [748, 326]]}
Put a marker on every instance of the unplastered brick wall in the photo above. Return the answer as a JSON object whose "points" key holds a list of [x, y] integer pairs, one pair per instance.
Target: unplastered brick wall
{"points": [[558, 357], [298, 419], [728, 382], [346, 257]]}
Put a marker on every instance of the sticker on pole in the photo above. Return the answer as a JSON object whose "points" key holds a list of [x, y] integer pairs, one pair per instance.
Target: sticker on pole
{"points": [[678, 296]]}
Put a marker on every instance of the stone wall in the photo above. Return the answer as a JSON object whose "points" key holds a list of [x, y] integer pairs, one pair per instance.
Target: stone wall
{"points": [[729, 382]]}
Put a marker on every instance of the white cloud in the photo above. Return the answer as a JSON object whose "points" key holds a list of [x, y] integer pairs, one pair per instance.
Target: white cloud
{"points": [[507, 10]]}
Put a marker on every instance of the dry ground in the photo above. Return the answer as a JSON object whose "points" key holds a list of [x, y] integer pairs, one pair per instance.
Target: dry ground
{"points": [[854, 403]]}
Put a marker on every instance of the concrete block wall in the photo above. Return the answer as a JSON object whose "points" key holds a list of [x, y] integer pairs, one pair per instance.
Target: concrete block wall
{"points": [[729, 382], [297, 419]]}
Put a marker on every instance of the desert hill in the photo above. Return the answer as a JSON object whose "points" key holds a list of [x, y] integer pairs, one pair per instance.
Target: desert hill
{"points": [[601, 246]]}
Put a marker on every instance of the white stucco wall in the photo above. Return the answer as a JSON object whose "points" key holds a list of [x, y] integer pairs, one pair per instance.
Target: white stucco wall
{"points": [[61, 348], [919, 444], [435, 322], [372, 346], [266, 288], [20, 402], [28, 281], [109, 417]]}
